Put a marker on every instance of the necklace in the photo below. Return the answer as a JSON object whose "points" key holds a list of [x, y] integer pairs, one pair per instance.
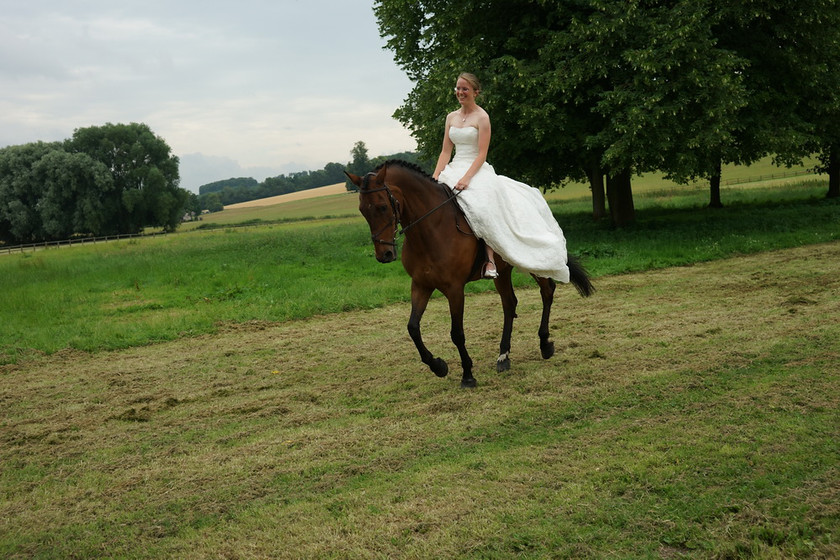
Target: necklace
{"points": [[463, 117]]}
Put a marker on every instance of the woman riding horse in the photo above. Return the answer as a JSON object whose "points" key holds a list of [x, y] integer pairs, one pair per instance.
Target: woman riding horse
{"points": [[441, 252]]}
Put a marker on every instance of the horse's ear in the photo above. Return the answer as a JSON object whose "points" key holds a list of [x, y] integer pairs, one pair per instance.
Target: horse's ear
{"points": [[380, 176], [355, 179]]}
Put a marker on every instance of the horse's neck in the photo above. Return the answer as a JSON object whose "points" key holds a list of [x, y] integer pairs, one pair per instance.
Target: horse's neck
{"points": [[421, 196]]}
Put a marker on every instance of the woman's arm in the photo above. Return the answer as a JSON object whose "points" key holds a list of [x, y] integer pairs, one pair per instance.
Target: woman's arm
{"points": [[446, 149]]}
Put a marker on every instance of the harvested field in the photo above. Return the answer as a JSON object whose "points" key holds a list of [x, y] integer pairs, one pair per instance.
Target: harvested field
{"points": [[338, 188]]}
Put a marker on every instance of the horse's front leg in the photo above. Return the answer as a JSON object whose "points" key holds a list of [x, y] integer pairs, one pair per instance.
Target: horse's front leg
{"points": [[547, 287], [419, 300], [504, 286], [456, 333]]}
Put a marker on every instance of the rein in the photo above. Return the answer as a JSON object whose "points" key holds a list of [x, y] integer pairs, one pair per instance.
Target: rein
{"points": [[396, 221], [451, 198]]}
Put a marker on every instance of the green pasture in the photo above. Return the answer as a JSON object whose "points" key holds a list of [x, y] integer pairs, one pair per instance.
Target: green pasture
{"points": [[125, 293]]}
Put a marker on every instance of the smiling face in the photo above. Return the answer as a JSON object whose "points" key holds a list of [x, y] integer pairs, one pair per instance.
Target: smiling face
{"points": [[465, 90]]}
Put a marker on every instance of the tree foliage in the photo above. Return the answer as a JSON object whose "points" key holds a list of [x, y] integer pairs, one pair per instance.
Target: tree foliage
{"points": [[791, 78], [587, 88], [233, 182], [21, 190], [74, 188], [104, 180], [359, 162], [145, 176]]}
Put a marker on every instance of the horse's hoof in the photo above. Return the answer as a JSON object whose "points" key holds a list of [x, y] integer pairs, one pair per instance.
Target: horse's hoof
{"points": [[439, 367], [469, 383], [547, 350], [503, 362]]}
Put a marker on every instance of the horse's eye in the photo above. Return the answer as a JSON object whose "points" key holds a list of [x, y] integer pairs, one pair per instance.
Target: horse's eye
{"points": [[382, 208]]}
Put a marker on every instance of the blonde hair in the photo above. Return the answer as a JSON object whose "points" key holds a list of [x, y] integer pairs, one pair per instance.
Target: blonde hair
{"points": [[471, 79]]}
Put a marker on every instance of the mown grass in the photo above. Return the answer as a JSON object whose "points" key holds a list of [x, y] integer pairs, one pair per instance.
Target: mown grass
{"points": [[126, 293], [690, 412]]}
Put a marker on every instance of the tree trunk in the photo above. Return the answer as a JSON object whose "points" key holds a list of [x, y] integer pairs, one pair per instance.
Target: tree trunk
{"points": [[714, 188], [596, 183], [620, 198], [833, 172]]}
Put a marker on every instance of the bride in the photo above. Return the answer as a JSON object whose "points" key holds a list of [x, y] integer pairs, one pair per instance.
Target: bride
{"points": [[511, 217]]}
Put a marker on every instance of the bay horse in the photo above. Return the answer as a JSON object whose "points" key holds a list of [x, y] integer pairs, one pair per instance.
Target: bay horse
{"points": [[440, 252]]}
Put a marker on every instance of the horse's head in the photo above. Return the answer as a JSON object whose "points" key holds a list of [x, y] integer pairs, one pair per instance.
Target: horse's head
{"points": [[381, 210]]}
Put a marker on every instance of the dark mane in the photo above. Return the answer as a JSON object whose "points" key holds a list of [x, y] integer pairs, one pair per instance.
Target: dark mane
{"points": [[406, 165]]}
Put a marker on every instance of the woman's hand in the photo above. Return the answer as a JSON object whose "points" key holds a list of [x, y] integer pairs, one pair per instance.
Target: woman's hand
{"points": [[462, 184]]}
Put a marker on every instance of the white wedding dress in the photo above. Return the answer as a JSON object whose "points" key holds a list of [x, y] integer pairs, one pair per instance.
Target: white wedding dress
{"points": [[511, 217]]}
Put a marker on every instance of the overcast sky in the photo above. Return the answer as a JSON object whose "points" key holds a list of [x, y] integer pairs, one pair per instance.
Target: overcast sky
{"points": [[245, 88]]}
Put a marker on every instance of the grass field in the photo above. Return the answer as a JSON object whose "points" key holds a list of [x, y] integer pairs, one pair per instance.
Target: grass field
{"points": [[121, 294], [253, 393], [691, 412]]}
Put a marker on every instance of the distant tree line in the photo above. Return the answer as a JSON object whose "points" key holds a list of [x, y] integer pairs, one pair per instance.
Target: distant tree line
{"points": [[234, 183], [111, 179], [215, 196], [602, 90], [360, 163]]}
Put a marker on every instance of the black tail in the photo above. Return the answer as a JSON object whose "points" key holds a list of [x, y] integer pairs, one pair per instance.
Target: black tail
{"points": [[579, 277]]}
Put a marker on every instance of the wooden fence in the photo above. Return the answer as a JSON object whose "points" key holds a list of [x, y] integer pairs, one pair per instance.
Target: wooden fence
{"points": [[68, 242]]}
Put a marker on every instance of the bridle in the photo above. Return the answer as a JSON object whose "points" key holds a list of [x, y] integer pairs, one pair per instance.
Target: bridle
{"points": [[395, 221], [395, 216]]}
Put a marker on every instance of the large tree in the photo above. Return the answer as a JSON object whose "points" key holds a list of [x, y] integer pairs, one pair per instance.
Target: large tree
{"points": [[787, 51], [105, 180], [74, 186], [664, 94], [145, 176], [616, 87], [814, 42], [359, 163], [585, 88], [21, 190]]}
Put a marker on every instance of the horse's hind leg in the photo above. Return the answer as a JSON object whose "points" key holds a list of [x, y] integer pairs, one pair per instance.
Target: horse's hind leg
{"points": [[419, 300], [547, 287]]}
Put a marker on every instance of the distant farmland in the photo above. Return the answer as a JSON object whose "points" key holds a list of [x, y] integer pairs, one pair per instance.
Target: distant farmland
{"points": [[337, 188]]}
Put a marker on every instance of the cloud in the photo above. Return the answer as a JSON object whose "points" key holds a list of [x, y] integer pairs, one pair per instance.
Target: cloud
{"points": [[259, 84], [198, 169]]}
